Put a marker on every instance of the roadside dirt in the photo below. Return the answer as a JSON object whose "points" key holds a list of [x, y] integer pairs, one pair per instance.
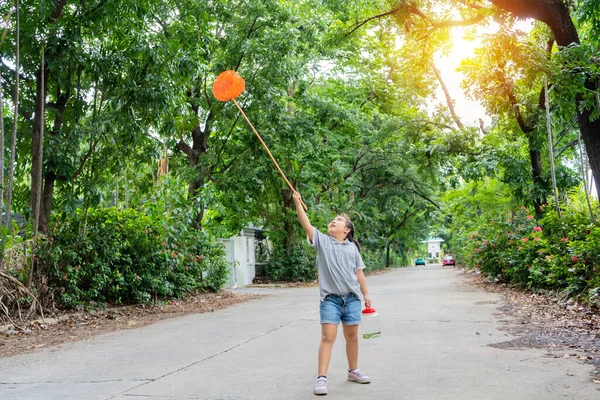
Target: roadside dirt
{"points": [[564, 328], [70, 326]]}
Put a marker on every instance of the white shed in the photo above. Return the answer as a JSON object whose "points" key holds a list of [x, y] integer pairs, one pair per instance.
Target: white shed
{"points": [[241, 250], [434, 248]]}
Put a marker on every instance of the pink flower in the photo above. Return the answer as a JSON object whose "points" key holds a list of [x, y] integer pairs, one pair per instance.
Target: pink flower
{"points": [[564, 239], [537, 239], [537, 229], [530, 217], [525, 240], [574, 259], [519, 248]]}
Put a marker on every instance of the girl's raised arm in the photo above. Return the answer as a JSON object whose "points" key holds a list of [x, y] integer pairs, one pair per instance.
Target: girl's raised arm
{"points": [[308, 228]]}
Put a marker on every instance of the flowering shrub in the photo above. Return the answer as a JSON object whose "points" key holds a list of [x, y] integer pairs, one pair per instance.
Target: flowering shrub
{"points": [[553, 253]]}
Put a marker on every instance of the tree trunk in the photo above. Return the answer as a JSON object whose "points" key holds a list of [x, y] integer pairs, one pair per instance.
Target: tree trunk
{"points": [[194, 156], [46, 204], [50, 176], [536, 174], [1, 152], [590, 132], [11, 168], [555, 14], [37, 135], [387, 255], [37, 144]]}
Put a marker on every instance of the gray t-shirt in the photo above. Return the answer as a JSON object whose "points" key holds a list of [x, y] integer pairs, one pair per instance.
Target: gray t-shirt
{"points": [[337, 264]]}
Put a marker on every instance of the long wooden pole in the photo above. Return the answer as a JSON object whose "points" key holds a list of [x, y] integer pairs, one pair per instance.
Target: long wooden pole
{"points": [[267, 149]]}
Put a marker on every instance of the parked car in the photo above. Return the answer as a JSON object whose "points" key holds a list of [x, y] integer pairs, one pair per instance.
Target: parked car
{"points": [[447, 260], [419, 261]]}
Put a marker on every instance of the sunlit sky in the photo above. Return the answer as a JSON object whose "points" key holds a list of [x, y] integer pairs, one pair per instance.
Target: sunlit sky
{"points": [[468, 111]]}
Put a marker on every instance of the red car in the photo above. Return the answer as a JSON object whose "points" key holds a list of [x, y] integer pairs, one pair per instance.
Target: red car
{"points": [[447, 260]]}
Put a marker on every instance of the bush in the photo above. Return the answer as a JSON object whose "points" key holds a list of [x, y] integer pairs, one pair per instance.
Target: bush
{"points": [[297, 263], [105, 255], [560, 254], [373, 260]]}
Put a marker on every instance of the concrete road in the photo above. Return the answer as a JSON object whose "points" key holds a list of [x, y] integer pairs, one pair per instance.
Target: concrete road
{"points": [[436, 332]]}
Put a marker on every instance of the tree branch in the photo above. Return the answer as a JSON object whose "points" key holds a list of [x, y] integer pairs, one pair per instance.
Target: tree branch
{"points": [[436, 24], [565, 147], [84, 159], [385, 14], [183, 146], [554, 13], [447, 94], [12, 72], [230, 163]]}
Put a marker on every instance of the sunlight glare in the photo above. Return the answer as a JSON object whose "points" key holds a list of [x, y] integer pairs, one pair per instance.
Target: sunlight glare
{"points": [[463, 47]]}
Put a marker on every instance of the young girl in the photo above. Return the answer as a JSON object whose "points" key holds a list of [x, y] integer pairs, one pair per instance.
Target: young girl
{"points": [[341, 282]]}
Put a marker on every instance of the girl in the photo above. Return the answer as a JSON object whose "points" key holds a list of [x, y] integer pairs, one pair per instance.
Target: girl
{"points": [[341, 282]]}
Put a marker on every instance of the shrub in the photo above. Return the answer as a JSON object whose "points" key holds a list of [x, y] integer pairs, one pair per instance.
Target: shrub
{"points": [[561, 254], [105, 255], [295, 262], [374, 260]]}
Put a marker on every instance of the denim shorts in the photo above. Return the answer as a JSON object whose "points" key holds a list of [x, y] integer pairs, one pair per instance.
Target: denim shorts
{"points": [[335, 308]]}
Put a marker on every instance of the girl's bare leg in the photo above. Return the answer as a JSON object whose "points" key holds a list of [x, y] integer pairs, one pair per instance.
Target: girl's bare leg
{"points": [[351, 335], [328, 335]]}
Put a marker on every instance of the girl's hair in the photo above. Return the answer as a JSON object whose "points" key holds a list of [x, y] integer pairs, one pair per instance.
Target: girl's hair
{"points": [[350, 235]]}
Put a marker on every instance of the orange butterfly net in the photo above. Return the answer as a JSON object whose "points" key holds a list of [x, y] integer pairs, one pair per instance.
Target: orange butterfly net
{"points": [[228, 86]]}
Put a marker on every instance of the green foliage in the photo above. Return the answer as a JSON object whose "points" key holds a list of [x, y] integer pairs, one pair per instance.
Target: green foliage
{"points": [[293, 263], [344, 111], [560, 254], [105, 255], [374, 260]]}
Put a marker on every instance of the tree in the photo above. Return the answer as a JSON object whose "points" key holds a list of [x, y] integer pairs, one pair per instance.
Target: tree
{"points": [[556, 14], [13, 142], [426, 22], [501, 76]]}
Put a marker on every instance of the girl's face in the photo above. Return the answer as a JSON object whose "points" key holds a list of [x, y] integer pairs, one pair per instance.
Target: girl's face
{"points": [[337, 228]]}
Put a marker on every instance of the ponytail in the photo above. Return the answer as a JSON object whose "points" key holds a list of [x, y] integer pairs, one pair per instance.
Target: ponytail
{"points": [[350, 235]]}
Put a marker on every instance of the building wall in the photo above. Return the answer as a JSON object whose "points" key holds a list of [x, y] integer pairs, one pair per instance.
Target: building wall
{"points": [[433, 249], [240, 254]]}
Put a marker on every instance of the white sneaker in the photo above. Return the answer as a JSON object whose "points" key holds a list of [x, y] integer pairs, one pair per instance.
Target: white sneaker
{"points": [[357, 375], [320, 386]]}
